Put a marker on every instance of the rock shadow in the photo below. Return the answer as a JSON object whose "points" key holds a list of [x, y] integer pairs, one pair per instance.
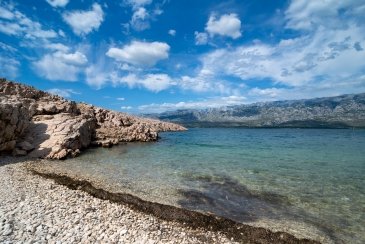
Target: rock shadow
{"points": [[38, 135]]}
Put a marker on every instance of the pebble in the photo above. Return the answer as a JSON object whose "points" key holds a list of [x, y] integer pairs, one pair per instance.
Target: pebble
{"points": [[51, 213]]}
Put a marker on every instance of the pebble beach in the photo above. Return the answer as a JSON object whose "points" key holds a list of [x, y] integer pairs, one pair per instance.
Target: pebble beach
{"points": [[36, 210]]}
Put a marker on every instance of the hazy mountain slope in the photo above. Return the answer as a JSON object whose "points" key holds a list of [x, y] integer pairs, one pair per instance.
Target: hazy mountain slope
{"points": [[332, 112]]}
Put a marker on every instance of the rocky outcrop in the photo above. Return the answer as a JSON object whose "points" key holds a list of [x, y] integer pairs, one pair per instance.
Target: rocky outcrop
{"points": [[14, 121], [42, 125]]}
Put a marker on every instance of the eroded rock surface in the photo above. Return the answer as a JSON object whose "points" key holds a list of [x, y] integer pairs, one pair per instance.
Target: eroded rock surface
{"points": [[43, 125]]}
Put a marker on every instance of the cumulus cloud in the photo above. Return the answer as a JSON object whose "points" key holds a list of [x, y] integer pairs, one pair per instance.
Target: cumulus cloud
{"points": [[58, 3], [226, 25], [76, 58], [152, 82], [172, 32], [140, 19], [325, 54], [323, 60], [63, 92], [84, 22], [57, 47], [142, 14], [15, 23], [213, 102], [201, 38], [144, 54], [60, 66]]}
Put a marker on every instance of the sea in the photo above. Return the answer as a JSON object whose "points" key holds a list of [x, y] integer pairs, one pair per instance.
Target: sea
{"points": [[308, 182]]}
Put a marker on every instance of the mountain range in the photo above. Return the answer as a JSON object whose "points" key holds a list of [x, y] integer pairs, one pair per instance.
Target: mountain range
{"points": [[345, 111]]}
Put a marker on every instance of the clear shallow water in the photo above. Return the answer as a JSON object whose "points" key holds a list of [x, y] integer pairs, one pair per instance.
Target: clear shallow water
{"points": [[307, 179]]}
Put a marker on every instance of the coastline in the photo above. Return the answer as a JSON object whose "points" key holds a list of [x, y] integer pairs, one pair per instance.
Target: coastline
{"points": [[153, 222]]}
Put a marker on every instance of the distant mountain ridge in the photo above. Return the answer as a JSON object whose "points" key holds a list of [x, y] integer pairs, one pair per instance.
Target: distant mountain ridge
{"points": [[343, 111]]}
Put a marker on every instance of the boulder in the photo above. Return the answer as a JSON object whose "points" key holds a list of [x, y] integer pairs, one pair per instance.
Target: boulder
{"points": [[26, 146]]}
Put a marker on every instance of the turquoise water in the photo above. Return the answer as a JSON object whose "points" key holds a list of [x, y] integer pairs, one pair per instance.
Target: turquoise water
{"points": [[300, 180]]}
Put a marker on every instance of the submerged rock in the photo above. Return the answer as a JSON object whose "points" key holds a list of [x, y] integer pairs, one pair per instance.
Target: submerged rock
{"points": [[47, 126]]}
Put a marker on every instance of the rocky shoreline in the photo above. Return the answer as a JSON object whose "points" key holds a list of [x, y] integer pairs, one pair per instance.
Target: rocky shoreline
{"points": [[43, 125], [37, 210], [42, 207], [59, 209]]}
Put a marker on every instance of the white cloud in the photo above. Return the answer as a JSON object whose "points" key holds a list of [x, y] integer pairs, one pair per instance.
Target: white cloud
{"points": [[13, 22], [9, 64], [324, 60], [266, 92], [226, 25], [307, 15], [76, 58], [204, 83], [144, 54], [126, 107], [96, 76], [157, 82], [138, 3], [152, 82], [57, 47], [62, 92], [213, 102], [60, 66], [120, 98], [6, 13], [84, 22], [7, 48], [11, 28], [58, 3], [172, 32], [201, 38], [9, 67], [140, 19], [327, 54]]}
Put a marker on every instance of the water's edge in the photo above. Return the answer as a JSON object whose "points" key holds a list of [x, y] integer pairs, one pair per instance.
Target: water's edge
{"points": [[236, 231]]}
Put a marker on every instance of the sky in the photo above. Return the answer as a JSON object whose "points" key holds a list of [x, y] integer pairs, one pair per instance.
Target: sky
{"points": [[148, 56]]}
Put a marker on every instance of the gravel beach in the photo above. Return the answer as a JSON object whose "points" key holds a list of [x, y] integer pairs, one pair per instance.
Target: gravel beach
{"points": [[36, 210], [37, 207]]}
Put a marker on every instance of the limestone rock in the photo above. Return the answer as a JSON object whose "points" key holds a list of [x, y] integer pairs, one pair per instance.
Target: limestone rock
{"points": [[60, 136], [19, 152], [26, 146], [48, 126]]}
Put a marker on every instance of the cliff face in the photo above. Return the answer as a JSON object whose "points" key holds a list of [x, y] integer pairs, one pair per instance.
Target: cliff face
{"points": [[43, 125], [332, 112]]}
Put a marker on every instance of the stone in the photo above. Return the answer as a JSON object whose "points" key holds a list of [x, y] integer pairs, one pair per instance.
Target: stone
{"points": [[26, 146], [49, 126], [19, 152]]}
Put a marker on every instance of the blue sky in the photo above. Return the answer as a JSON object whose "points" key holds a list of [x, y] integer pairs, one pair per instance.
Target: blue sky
{"points": [[143, 56]]}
